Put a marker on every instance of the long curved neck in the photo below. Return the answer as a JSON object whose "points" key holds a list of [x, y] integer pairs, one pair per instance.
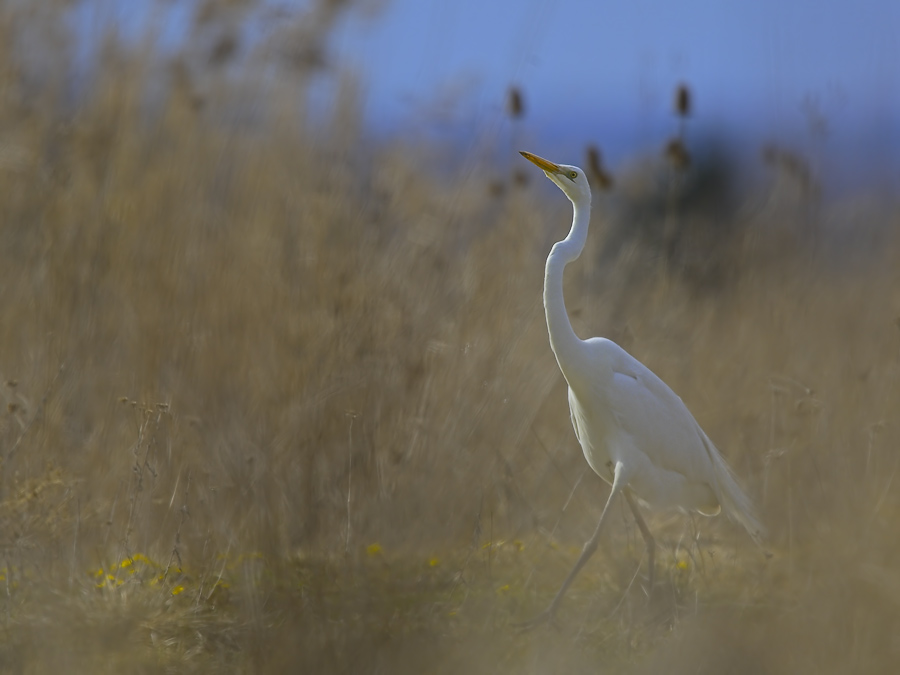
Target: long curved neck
{"points": [[565, 344]]}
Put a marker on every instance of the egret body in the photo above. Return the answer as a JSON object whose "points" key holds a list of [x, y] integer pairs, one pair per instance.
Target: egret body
{"points": [[636, 433]]}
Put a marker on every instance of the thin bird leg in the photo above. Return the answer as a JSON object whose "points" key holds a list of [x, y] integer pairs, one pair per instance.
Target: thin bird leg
{"points": [[648, 538], [588, 550]]}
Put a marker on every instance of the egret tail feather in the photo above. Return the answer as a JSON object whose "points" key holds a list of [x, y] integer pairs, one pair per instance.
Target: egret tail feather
{"points": [[734, 501]]}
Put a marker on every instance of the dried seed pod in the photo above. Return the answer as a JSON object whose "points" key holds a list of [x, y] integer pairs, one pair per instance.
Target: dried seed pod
{"points": [[600, 176], [515, 104], [223, 50], [683, 100], [677, 154]]}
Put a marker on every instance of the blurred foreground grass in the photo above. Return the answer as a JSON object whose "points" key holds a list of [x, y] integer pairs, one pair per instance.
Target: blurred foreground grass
{"points": [[278, 399]]}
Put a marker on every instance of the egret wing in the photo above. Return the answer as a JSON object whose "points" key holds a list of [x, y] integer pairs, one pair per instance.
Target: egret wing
{"points": [[657, 420]]}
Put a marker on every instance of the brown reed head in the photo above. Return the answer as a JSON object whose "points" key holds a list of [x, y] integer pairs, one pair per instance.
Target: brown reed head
{"points": [[683, 100], [677, 153], [496, 188], [597, 173], [224, 49], [520, 178], [515, 104]]}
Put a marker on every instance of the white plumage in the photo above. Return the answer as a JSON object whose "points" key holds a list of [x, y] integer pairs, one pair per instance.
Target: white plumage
{"points": [[636, 433]]}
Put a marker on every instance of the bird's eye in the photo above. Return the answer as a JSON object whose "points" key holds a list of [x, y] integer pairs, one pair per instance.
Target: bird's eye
{"points": [[573, 175]]}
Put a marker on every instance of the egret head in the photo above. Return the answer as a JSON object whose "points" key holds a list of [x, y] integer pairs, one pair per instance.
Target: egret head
{"points": [[569, 179]]}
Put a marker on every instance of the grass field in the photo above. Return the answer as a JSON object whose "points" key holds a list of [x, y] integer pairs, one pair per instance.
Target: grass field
{"points": [[277, 398]]}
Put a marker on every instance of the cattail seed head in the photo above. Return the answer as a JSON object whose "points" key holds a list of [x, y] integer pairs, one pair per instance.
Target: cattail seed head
{"points": [[594, 161], [600, 176], [677, 154], [682, 100], [223, 50], [515, 105]]}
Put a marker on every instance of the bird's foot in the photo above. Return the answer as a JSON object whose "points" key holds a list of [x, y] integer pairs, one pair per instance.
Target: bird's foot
{"points": [[648, 589], [548, 616]]}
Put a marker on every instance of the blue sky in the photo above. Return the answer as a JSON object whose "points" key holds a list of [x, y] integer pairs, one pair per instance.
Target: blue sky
{"points": [[605, 71]]}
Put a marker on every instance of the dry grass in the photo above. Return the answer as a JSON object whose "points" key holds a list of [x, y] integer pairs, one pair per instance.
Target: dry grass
{"points": [[277, 398]]}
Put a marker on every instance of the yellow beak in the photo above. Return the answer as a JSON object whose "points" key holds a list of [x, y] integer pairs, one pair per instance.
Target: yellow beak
{"points": [[546, 165]]}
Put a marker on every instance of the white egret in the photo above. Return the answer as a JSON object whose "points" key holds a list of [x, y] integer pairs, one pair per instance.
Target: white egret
{"points": [[635, 432]]}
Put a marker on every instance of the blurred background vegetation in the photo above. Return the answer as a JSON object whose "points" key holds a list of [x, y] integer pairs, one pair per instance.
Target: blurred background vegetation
{"points": [[277, 395]]}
